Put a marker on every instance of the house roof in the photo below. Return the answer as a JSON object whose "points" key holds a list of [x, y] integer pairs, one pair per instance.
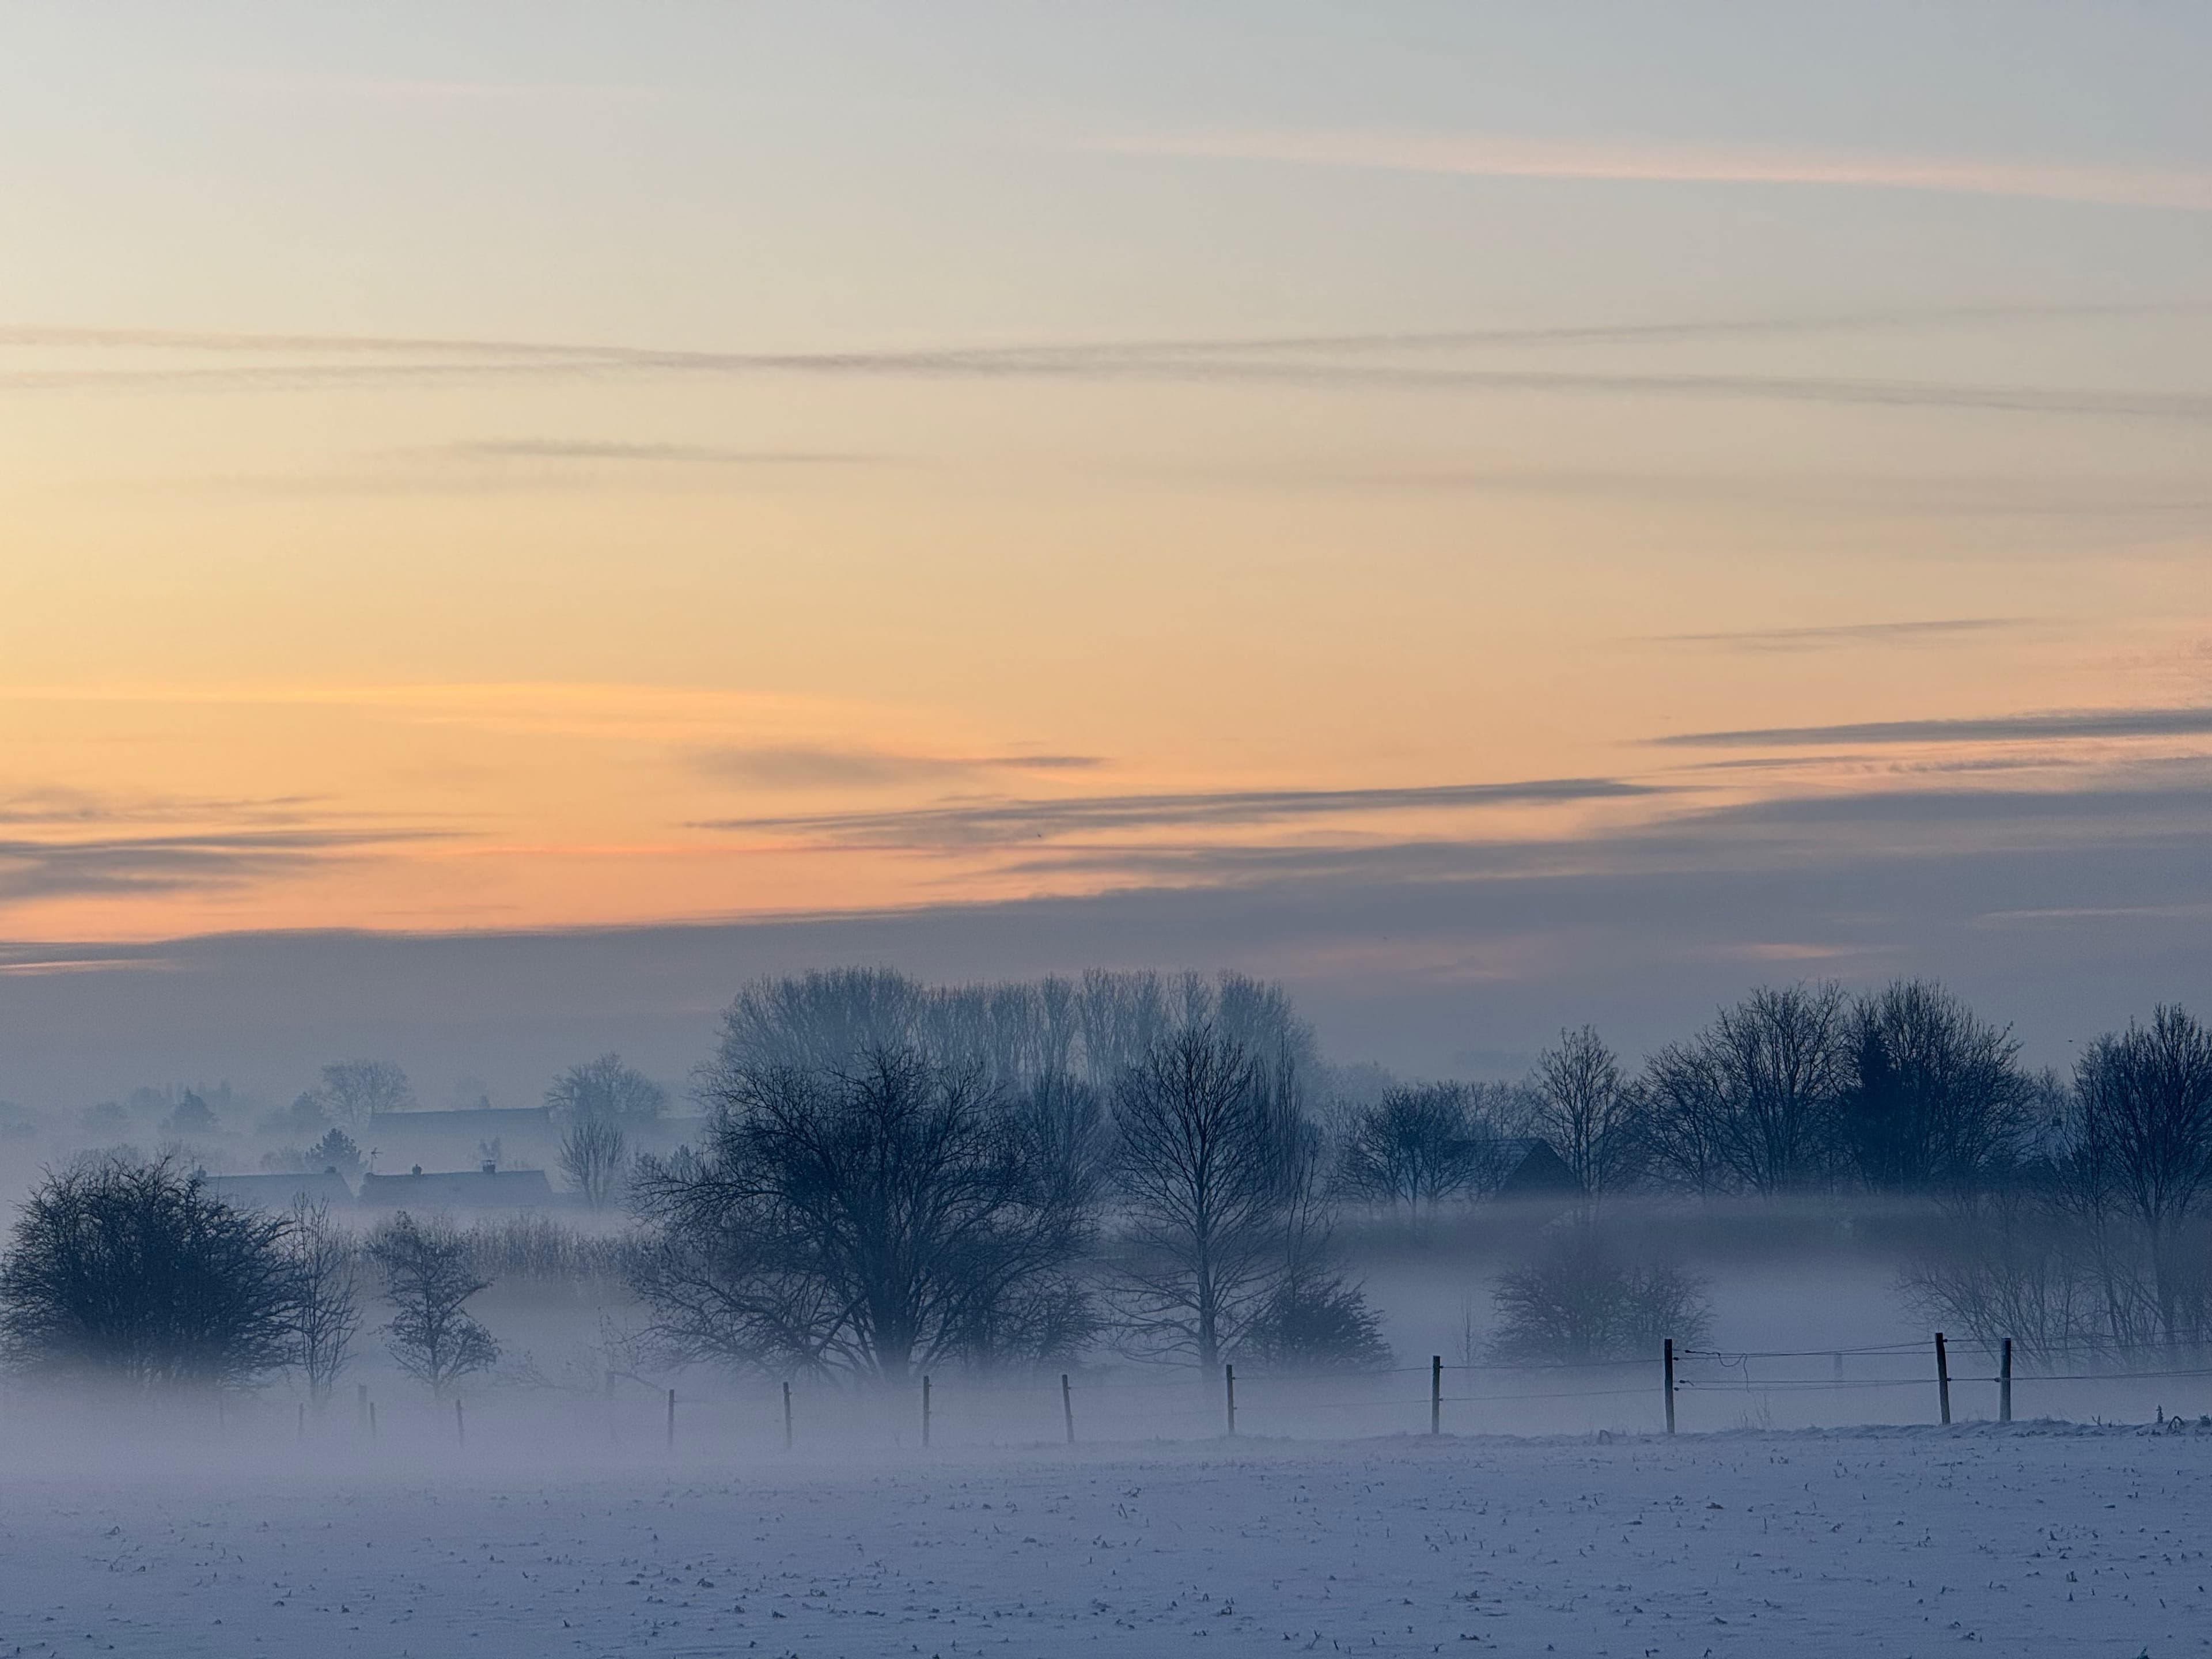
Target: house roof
{"points": [[458, 1189], [1538, 1170], [280, 1191]]}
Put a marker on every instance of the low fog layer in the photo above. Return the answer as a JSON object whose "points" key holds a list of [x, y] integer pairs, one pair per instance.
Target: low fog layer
{"points": [[1124, 1206]]}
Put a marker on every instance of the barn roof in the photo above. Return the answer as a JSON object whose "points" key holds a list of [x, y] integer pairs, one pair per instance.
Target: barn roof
{"points": [[458, 1189]]}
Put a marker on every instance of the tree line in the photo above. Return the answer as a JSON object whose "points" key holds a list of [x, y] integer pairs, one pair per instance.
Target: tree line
{"points": [[897, 1177]]}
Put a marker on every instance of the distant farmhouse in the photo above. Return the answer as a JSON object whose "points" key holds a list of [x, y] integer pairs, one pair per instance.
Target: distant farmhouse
{"points": [[1535, 1170], [486, 1187], [461, 1139]]}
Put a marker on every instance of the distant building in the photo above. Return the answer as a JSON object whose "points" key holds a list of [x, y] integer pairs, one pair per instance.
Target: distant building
{"points": [[280, 1191], [505, 1134], [486, 1187], [1535, 1170]]}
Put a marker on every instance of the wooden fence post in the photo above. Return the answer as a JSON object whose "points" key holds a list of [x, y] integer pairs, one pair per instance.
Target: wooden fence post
{"points": [[1437, 1394], [372, 1420], [671, 1420], [1667, 1358], [1228, 1386], [786, 1415], [303, 1419], [361, 1405], [925, 1411], [1067, 1407], [2004, 1381], [1943, 1378], [461, 1426]]}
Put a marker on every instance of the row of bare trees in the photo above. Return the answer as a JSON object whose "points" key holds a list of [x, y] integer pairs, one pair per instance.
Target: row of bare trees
{"points": [[899, 1179], [1795, 1088], [2105, 1243]]}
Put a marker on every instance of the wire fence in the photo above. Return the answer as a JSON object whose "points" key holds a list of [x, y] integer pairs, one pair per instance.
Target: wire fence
{"points": [[1677, 1390]]}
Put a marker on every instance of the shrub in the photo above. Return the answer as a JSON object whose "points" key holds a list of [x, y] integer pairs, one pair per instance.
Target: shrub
{"points": [[1578, 1303], [130, 1269], [1318, 1322]]}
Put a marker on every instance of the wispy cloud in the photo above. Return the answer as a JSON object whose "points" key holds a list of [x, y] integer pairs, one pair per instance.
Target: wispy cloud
{"points": [[1502, 155], [999, 823], [2096, 500], [2003, 728], [1845, 634], [1624, 331], [39, 869], [1794, 831], [69, 807], [804, 766], [431, 89], [595, 450], [1273, 364]]}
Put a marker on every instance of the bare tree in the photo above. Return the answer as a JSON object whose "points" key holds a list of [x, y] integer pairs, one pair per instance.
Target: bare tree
{"points": [[1750, 1102], [1207, 1167], [877, 1219], [605, 1091], [326, 1296], [592, 1152], [2019, 1267], [130, 1269], [817, 1022], [428, 1275], [1588, 1111], [1416, 1147], [2143, 1142], [1937, 1100], [354, 1090], [1315, 1318]]}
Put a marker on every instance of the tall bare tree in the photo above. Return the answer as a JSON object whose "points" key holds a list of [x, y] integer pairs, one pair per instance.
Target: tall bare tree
{"points": [[326, 1297], [605, 1091], [1209, 1165], [429, 1279], [591, 1154], [1588, 1111], [1418, 1146], [877, 1220], [354, 1090], [1936, 1100], [2143, 1131], [1750, 1102]]}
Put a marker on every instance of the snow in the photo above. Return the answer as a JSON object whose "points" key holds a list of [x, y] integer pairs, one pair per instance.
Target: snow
{"points": [[2040, 1538]]}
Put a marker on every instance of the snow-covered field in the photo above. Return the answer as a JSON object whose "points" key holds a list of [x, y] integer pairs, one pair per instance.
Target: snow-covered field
{"points": [[2037, 1538]]}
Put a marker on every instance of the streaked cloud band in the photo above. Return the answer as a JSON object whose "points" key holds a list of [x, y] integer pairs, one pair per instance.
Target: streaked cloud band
{"points": [[1502, 155]]}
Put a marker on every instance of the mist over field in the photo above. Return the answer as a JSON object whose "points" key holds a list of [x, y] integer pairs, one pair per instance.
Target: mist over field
{"points": [[1111, 1310]]}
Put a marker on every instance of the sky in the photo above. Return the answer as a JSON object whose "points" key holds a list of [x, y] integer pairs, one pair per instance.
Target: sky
{"points": [[1484, 511]]}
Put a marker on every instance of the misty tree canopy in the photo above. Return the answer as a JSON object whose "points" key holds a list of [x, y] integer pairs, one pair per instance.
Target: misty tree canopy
{"points": [[131, 1270], [877, 1215]]}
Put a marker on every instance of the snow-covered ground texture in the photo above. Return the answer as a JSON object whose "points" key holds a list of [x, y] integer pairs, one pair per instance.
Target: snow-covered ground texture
{"points": [[2035, 1538]]}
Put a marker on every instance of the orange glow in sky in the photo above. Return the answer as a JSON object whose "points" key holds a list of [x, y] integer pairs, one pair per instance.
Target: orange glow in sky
{"points": [[665, 471]]}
